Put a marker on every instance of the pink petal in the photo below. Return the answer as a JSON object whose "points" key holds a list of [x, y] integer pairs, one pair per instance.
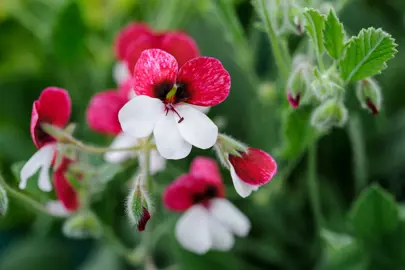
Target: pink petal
{"points": [[102, 112], [206, 81], [126, 89], [135, 49], [65, 192], [182, 193], [180, 45], [129, 34], [154, 68], [255, 167], [52, 107]]}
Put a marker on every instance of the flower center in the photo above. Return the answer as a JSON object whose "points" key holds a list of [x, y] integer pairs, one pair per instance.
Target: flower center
{"points": [[172, 93], [209, 193]]}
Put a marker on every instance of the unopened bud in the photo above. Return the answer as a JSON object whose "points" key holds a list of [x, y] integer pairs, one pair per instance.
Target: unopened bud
{"points": [[230, 145], [3, 201], [330, 113], [82, 225], [294, 100], [139, 205], [369, 95], [326, 85], [299, 81]]}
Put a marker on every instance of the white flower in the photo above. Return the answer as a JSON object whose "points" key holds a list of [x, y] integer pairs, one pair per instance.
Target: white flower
{"points": [[41, 160], [157, 162], [200, 229]]}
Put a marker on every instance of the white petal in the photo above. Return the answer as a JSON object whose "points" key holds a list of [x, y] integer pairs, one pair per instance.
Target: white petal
{"points": [[221, 237], [197, 128], [139, 115], [169, 142], [230, 216], [120, 72], [156, 162], [122, 140], [242, 188], [192, 230], [201, 108], [41, 159], [56, 208]]}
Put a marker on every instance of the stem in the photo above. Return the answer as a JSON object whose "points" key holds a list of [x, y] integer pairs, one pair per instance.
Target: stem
{"points": [[320, 60], [282, 65], [313, 188], [27, 200]]}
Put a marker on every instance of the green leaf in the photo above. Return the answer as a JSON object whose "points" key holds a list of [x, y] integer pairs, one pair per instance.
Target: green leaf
{"points": [[366, 54], [374, 214], [333, 36], [314, 25]]}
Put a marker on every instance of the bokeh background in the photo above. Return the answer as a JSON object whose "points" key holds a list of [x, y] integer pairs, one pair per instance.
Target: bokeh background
{"points": [[69, 44]]}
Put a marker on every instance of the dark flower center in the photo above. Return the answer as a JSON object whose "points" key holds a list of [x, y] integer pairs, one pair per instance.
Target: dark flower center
{"points": [[171, 94], [209, 193]]}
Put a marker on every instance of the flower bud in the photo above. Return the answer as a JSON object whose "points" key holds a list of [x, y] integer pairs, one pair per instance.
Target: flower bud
{"points": [[299, 81], [369, 95], [326, 85], [139, 205], [3, 201], [82, 225], [328, 114]]}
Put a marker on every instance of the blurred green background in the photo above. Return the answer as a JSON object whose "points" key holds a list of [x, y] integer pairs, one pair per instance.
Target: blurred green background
{"points": [[69, 44]]}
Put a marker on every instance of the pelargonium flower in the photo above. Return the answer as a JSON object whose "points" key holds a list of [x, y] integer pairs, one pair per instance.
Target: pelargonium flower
{"points": [[137, 37], [66, 194], [53, 107], [209, 220], [102, 116], [251, 170], [165, 101]]}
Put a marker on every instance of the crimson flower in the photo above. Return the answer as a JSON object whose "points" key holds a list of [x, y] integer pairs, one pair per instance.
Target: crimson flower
{"points": [[209, 220], [66, 194], [137, 37], [251, 170], [102, 116], [165, 101], [53, 107]]}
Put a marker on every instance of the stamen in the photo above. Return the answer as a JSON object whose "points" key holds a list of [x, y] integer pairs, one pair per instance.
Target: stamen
{"points": [[170, 107]]}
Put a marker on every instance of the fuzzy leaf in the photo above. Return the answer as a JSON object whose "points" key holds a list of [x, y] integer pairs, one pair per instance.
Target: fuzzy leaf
{"points": [[374, 214], [366, 54], [333, 35], [314, 25]]}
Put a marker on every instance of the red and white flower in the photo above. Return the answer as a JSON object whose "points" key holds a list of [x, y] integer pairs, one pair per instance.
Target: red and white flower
{"points": [[53, 107], [137, 37], [102, 116], [209, 220], [166, 98], [251, 170], [65, 192]]}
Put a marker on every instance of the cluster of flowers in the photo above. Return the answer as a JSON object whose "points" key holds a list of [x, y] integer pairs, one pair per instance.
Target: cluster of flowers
{"points": [[164, 89]]}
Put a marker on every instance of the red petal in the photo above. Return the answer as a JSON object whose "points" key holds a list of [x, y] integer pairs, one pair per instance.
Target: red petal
{"points": [[180, 45], [143, 220], [129, 34], [294, 101], [102, 112], [206, 169], [206, 80], [178, 196], [255, 167], [126, 88], [135, 49], [52, 107], [66, 193], [153, 68]]}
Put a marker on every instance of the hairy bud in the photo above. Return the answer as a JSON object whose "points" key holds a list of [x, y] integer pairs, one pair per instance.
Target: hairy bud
{"points": [[226, 146], [299, 81], [368, 93], [330, 113], [139, 206], [82, 225], [3, 201], [326, 85]]}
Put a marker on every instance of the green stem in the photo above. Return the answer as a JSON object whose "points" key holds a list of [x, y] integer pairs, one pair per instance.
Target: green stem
{"points": [[24, 198], [282, 64], [313, 187]]}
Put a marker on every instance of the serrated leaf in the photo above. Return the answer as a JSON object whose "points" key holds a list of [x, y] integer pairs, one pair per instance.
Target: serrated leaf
{"points": [[333, 36], [366, 54], [374, 214], [314, 25]]}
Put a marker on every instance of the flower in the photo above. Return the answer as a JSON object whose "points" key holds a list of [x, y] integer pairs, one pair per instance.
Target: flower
{"points": [[294, 100], [53, 107], [102, 116], [209, 220], [137, 37], [66, 194], [165, 100], [251, 170]]}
